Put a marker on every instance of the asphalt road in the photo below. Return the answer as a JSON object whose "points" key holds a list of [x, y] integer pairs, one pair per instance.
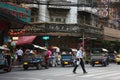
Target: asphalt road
{"points": [[111, 72]]}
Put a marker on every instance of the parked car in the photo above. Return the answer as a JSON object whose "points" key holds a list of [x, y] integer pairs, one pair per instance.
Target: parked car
{"points": [[99, 56], [112, 57], [5, 59], [67, 59], [32, 60], [117, 58]]}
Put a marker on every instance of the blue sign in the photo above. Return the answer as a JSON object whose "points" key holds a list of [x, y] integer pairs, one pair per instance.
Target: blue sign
{"points": [[15, 11], [46, 37]]}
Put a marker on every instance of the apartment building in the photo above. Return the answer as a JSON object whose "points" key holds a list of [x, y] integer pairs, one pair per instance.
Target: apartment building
{"points": [[64, 20], [112, 29], [69, 21]]}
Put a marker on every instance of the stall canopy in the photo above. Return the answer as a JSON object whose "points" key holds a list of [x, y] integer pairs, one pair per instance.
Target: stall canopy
{"points": [[39, 47], [25, 40]]}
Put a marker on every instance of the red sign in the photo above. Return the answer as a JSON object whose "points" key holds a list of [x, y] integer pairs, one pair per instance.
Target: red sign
{"points": [[25, 40]]}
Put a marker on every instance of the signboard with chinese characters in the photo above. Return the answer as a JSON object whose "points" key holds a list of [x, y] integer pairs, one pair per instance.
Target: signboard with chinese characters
{"points": [[13, 11], [103, 9]]}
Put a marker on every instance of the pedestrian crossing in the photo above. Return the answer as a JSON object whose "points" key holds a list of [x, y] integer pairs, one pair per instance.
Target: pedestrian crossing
{"points": [[100, 73], [94, 73]]}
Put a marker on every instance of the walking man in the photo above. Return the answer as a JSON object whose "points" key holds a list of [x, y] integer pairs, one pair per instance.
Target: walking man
{"points": [[79, 57], [19, 54]]}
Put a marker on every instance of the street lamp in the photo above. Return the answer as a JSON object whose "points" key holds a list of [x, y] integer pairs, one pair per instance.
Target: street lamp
{"points": [[83, 37]]}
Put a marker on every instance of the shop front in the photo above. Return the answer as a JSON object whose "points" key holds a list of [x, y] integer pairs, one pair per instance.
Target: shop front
{"points": [[12, 16]]}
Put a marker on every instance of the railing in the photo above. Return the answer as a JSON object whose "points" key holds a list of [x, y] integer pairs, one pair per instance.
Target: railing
{"points": [[88, 9], [63, 28], [57, 4]]}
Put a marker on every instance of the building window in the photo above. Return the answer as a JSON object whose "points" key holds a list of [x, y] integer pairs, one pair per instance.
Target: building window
{"points": [[34, 19], [58, 19]]}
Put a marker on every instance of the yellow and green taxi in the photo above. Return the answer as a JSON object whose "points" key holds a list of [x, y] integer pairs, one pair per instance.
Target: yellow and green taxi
{"points": [[118, 58]]}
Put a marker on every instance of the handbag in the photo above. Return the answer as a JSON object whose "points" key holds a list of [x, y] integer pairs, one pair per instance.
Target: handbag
{"points": [[78, 62]]}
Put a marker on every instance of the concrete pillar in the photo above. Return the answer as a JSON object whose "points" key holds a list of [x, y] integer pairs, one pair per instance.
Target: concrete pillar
{"points": [[43, 13], [72, 15]]}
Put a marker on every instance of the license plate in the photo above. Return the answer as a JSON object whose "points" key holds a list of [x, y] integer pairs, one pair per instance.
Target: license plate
{"points": [[25, 63], [96, 62], [65, 62]]}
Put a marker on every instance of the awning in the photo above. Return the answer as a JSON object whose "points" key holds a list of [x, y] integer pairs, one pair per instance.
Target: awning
{"points": [[39, 47], [25, 40], [3, 48]]}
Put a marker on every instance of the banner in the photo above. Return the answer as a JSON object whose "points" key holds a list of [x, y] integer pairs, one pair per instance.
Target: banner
{"points": [[16, 12]]}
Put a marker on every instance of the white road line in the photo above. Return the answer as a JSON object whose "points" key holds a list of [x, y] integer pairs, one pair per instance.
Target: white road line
{"points": [[107, 75], [60, 74], [115, 78], [48, 79], [21, 78], [97, 74]]}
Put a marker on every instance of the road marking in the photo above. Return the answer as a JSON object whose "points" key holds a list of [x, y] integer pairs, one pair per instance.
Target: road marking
{"points": [[20, 78], [115, 78], [107, 75], [97, 74]]}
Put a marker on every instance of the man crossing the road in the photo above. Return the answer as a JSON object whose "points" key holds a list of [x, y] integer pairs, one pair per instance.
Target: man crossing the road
{"points": [[79, 57]]}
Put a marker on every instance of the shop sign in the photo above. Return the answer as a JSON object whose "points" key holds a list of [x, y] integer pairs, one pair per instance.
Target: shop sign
{"points": [[103, 11], [20, 13]]}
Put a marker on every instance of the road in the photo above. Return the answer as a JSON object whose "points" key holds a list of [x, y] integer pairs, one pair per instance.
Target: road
{"points": [[111, 72]]}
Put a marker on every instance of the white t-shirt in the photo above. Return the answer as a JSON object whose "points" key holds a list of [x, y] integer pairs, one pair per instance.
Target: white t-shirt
{"points": [[79, 54], [19, 52]]}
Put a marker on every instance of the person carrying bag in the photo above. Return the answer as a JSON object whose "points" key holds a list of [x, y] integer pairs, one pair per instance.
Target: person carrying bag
{"points": [[79, 58]]}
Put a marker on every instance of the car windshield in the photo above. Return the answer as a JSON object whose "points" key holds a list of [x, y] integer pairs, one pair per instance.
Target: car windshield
{"points": [[29, 56], [66, 56], [97, 51]]}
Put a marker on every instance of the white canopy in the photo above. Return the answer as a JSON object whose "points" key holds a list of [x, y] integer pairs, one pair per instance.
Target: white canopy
{"points": [[3, 48], [105, 50], [36, 46]]}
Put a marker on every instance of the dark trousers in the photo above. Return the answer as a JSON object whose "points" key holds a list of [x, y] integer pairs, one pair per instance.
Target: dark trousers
{"points": [[19, 59], [82, 65]]}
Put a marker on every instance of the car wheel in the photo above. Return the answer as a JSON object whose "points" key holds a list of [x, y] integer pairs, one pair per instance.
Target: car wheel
{"points": [[25, 67], [8, 69], [118, 62], [63, 65], [93, 65], [104, 64], [38, 66]]}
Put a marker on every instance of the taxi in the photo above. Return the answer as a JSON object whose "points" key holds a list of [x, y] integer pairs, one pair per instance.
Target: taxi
{"points": [[118, 59]]}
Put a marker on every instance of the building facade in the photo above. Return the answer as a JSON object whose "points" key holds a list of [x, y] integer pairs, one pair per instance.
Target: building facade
{"points": [[70, 21], [76, 19]]}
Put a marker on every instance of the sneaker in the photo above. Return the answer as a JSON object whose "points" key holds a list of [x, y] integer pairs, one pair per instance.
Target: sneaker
{"points": [[74, 72], [85, 72]]}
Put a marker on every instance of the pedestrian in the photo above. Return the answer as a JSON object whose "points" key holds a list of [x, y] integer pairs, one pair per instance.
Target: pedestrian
{"points": [[19, 54], [79, 58], [48, 54]]}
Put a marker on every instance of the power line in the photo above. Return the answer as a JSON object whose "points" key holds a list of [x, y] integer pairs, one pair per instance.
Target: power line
{"points": [[65, 3]]}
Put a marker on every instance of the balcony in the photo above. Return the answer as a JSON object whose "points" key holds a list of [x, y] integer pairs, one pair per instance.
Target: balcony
{"points": [[32, 5], [59, 4], [88, 9], [55, 29]]}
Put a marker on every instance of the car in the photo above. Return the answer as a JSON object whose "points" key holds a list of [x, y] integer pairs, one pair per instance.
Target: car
{"points": [[117, 58], [112, 57], [99, 56], [33, 60], [67, 59]]}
